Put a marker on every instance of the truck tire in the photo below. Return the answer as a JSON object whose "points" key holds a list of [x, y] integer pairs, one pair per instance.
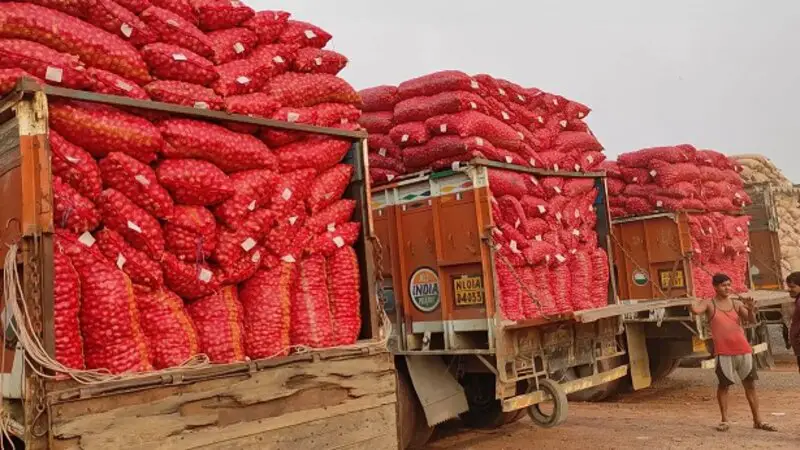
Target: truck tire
{"points": [[662, 360], [485, 411], [414, 429], [560, 406]]}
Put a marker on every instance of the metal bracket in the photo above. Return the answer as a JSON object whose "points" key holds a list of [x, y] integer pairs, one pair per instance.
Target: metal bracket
{"points": [[426, 341]]}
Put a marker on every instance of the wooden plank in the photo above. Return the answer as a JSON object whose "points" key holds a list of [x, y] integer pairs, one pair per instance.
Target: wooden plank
{"points": [[233, 409]]}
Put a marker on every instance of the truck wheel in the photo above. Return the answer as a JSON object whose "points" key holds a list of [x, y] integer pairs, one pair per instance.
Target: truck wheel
{"points": [[662, 361], [414, 429], [485, 411], [560, 406]]}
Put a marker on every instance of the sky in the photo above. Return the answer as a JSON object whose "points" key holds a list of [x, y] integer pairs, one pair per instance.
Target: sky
{"points": [[719, 74]]}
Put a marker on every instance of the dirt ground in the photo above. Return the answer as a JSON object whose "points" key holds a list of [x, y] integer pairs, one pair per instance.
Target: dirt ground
{"points": [[677, 413]]}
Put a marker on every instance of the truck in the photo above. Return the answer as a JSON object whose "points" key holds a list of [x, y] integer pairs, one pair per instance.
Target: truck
{"points": [[457, 353], [342, 397], [655, 266]]}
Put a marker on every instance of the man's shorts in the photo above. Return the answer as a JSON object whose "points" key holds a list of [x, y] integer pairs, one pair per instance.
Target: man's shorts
{"points": [[735, 367]]}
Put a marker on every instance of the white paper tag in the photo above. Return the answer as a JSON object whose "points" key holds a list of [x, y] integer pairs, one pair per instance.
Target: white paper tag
{"points": [[577, 213], [556, 167], [635, 179], [581, 115], [173, 23], [292, 117], [179, 57], [513, 246], [204, 275], [286, 194], [473, 105], [560, 258], [653, 173], [577, 167], [738, 229], [517, 223], [443, 128], [87, 239], [238, 47], [555, 101], [72, 159], [236, 3], [248, 244], [338, 241], [278, 60], [521, 97], [54, 74], [293, 220], [521, 136], [318, 61], [737, 195], [558, 216], [540, 119], [474, 84], [541, 209], [331, 227], [141, 179], [201, 105], [126, 30], [557, 189], [505, 115], [124, 86], [534, 181], [243, 80], [252, 206], [344, 121], [590, 159], [288, 259], [256, 257], [538, 237], [404, 138], [563, 123], [479, 142], [310, 34], [509, 159], [547, 259], [501, 91], [576, 232], [134, 227], [382, 151], [532, 162], [455, 165], [121, 261], [659, 203]]}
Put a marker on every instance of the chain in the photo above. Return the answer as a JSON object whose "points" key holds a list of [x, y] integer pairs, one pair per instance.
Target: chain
{"points": [[36, 294], [377, 255]]}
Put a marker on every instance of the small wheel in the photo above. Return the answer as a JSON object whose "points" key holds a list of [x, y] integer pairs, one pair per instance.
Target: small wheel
{"points": [[560, 406]]}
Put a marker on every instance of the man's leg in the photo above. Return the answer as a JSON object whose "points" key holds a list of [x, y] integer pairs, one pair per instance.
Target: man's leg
{"points": [[752, 399], [722, 399]]}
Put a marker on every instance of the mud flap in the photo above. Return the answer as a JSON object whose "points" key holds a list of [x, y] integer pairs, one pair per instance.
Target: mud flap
{"points": [[639, 359], [440, 394]]}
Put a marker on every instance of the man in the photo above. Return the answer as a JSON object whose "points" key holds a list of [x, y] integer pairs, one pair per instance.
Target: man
{"points": [[793, 286], [734, 356]]}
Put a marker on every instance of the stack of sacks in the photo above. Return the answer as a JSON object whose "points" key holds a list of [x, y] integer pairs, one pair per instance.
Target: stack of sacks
{"points": [[385, 160], [721, 245], [162, 221], [679, 178], [449, 117], [758, 170], [548, 260]]}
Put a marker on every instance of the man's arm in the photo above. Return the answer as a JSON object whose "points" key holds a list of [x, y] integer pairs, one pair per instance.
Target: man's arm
{"points": [[699, 307]]}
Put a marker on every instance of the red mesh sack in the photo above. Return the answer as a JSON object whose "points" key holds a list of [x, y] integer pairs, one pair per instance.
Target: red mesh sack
{"points": [[639, 190], [139, 228], [67, 34], [275, 137], [242, 269], [617, 211], [101, 129], [553, 186], [506, 182], [191, 233], [721, 204], [379, 98], [637, 206], [328, 187], [615, 187], [267, 300], [137, 6], [185, 94], [438, 148], [377, 122], [292, 189], [304, 34], [314, 60], [711, 174], [539, 252], [75, 166], [580, 267], [268, 25], [435, 83], [741, 199], [377, 161], [472, 123], [382, 144], [72, 211], [600, 276], [575, 110], [329, 218], [137, 265], [672, 155], [311, 321], [182, 8], [171, 334], [666, 174], [419, 109], [173, 29], [570, 141], [66, 307], [344, 287], [112, 336], [318, 153], [110, 16], [171, 62], [232, 44], [76, 8], [635, 176], [331, 241], [219, 320], [589, 161], [194, 182], [309, 89], [43, 63], [409, 134], [575, 187], [234, 245], [189, 280], [511, 210], [228, 150], [510, 292], [221, 14], [249, 75], [105, 82], [336, 114], [253, 189], [560, 285], [138, 182], [540, 279], [381, 176], [283, 54], [289, 237], [10, 77], [611, 168], [713, 159], [682, 189], [732, 177], [256, 104]]}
